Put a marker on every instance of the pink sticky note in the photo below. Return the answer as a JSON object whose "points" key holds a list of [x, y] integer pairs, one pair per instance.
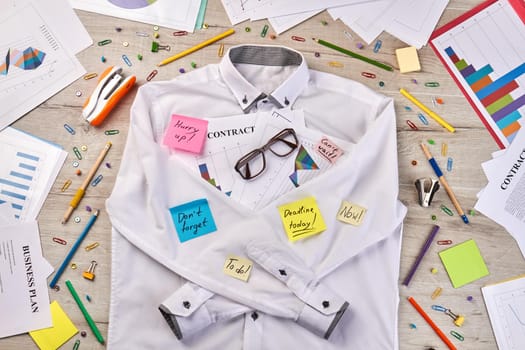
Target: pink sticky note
{"points": [[186, 133], [328, 150]]}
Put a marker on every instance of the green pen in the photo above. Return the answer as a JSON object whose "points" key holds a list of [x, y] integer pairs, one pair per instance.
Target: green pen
{"points": [[88, 318]]}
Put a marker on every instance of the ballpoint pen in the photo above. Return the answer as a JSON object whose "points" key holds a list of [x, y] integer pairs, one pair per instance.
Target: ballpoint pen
{"points": [[444, 182]]}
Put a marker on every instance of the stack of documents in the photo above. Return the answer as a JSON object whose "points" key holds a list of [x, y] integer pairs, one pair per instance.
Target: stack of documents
{"points": [[503, 199], [411, 21]]}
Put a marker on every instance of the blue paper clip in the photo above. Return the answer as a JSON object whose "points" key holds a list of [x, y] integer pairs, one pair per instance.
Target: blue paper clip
{"points": [[127, 60], [377, 46], [97, 180], [422, 118]]}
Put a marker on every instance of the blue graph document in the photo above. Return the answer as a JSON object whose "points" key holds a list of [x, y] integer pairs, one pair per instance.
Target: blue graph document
{"points": [[506, 307], [28, 169]]}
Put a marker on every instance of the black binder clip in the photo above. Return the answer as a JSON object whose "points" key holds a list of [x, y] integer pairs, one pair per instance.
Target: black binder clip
{"points": [[426, 187]]}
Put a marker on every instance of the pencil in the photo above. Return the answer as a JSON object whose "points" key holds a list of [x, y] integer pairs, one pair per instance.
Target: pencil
{"points": [[431, 323], [354, 55], [74, 248], [444, 182], [196, 47], [87, 316], [427, 110], [80, 192], [423, 251]]}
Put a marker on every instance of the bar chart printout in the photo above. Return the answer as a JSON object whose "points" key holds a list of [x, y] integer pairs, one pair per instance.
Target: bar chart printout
{"points": [[485, 55], [28, 169]]}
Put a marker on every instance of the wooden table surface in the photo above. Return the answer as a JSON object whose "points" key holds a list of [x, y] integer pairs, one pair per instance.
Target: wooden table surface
{"points": [[469, 146]]}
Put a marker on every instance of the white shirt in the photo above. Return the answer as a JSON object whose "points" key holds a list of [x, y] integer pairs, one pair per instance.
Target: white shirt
{"points": [[297, 292]]}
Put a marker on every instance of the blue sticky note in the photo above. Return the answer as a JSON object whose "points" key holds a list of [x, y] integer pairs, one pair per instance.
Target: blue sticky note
{"points": [[192, 219]]}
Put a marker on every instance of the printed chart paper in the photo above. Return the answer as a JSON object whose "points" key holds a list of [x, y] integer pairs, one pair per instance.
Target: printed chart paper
{"points": [[483, 51]]}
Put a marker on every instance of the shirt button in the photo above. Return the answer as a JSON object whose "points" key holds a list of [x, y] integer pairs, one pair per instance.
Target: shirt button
{"points": [[186, 304], [282, 272], [254, 315], [326, 304]]}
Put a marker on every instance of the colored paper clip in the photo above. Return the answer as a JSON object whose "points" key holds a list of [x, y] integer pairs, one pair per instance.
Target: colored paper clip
{"points": [[439, 308], [220, 51], [104, 42], [127, 60], [437, 293], [449, 164], [77, 153], [422, 118], [444, 242], [111, 88], [152, 74], [90, 76], [335, 64], [69, 129], [457, 335], [444, 149], [446, 210], [412, 125], [368, 75], [180, 33], [432, 84], [426, 188], [264, 31], [111, 132], [91, 246], [298, 38], [97, 180], [76, 345], [377, 46], [59, 240], [66, 185]]}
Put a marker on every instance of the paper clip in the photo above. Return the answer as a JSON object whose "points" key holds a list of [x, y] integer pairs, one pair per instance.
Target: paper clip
{"points": [[437, 293], [335, 64], [298, 38], [104, 42], [439, 308], [432, 84], [77, 153], [127, 60], [449, 164], [446, 210], [66, 185], [377, 46], [444, 242], [90, 76], [264, 31], [412, 125], [97, 180], [69, 129], [111, 132], [142, 34], [422, 118], [180, 33], [348, 35], [91, 246], [457, 335], [152, 74], [76, 345], [426, 188], [59, 240], [444, 149], [368, 75]]}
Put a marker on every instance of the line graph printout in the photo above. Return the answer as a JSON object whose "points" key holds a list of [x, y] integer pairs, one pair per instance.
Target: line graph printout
{"points": [[485, 55], [33, 63], [505, 304]]}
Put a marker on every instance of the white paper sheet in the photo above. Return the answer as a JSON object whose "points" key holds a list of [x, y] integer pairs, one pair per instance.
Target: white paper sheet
{"points": [[505, 304], [23, 288], [30, 27], [179, 14], [28, 169], [283, 23], [503, 199]]}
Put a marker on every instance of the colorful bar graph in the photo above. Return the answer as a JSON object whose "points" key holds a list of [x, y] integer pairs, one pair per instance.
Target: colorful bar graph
{"points": [[494, 95]]}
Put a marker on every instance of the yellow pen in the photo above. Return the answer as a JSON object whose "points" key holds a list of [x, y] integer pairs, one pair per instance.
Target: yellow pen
{"points": [[427, 110]]}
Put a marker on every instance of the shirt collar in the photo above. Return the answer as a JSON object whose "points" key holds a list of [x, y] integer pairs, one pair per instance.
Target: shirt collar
{"points": [[246, 93]]}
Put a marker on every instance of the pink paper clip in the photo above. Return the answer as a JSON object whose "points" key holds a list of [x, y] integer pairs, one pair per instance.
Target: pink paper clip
{"points": [[180, 33], [444, 242], [297, 38], [368, 75], [59, 240]]}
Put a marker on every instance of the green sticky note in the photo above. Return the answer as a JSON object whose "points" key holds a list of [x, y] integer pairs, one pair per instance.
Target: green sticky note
{"points": [[464, 263]]}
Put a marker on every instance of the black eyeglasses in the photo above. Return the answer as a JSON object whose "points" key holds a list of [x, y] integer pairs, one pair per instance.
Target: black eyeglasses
{"points": [[253, 163]]}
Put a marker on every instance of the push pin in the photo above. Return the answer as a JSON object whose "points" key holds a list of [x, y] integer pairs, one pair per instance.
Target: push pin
{"points": [[426, 187], [458, 319], [90, 273], [155, 47]]}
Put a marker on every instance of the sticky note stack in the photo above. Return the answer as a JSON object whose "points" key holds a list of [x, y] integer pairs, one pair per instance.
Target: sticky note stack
{"points": [[408, 60]]}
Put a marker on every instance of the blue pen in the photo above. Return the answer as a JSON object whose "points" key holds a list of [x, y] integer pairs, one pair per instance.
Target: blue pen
{"points": [[444, 182], [69, 255]]}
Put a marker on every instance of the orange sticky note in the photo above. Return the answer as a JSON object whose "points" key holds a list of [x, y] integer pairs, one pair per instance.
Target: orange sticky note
{"points": [[302, 219]]}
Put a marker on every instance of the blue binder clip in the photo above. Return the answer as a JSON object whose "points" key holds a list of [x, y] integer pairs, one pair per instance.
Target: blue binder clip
{"points": [[426, 188]]}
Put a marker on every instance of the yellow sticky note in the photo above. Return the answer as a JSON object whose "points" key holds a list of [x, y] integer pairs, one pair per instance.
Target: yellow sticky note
{"points": [[351, 213], [54, 337], [408, 60], [238, 267], [464, 263], [302, 219]]}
